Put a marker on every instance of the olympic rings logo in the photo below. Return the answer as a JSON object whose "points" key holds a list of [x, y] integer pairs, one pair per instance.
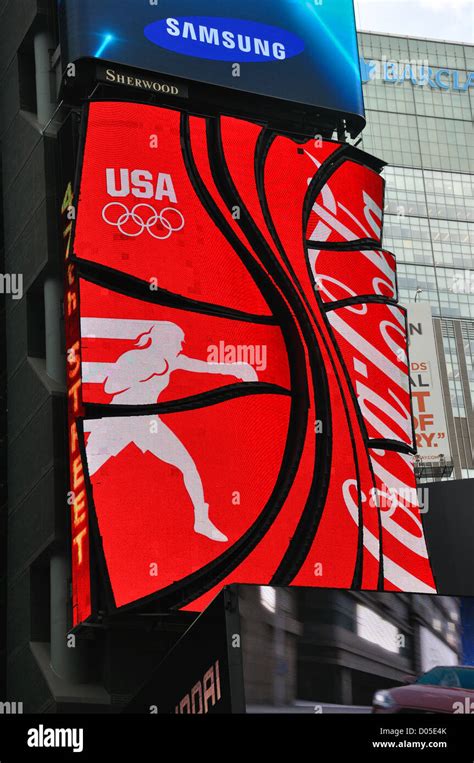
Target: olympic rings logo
{"points": [[160, 225]]}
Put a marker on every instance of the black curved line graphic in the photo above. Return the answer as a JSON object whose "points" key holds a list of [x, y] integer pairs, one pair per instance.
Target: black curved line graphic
{"points": [[321, 469], [102, 594], [391, 445], [188, 589], [364, 434], [202, 400], [339, 158], [405, 448], [395, 445], [307, 529], [363, 299], [131, 286], [410, 382], [346, 246], [382, 444], [358, 156], [305, 532], [313, 192]]}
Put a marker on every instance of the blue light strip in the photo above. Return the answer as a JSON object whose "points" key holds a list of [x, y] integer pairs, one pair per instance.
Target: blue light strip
{"points": [[337, 44], [107, 40]]}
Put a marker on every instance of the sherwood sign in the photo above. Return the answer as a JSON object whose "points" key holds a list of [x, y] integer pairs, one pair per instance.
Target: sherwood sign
{"points": [[127, 78]]}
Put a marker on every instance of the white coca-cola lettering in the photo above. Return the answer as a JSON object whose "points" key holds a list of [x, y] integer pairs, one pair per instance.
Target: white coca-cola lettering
{"points": [[377, 284], [400, 518], [396, 348], [373, 214], [395, 406], [367, 350], [333, 225], [399, 316], [348, 293], [382, 285], [379, 259], [369, 399], [394, 573], [377, 272], [328, 213]]}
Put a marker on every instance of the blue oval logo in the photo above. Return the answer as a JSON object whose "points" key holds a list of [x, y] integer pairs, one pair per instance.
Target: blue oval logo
{"points": [[221, 39]]}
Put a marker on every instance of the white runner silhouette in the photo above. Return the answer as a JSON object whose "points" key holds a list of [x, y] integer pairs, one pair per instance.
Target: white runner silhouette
{"points": [[138, 378]]}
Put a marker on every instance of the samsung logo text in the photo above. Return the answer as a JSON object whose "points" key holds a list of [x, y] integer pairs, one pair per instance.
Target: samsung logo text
{"points": [[222, 39]]}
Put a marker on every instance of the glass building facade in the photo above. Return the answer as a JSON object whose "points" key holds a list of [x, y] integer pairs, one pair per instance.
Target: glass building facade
{"points": [[419, 98]]}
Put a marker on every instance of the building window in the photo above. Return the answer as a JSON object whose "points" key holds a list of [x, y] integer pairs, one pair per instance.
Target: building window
{"points": [[268, 598], [27, 76], [437, 625], [35, 322], [377, 630]]}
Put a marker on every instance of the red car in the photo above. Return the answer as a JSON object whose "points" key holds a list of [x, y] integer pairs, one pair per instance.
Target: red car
{"points": [[440, 690]]}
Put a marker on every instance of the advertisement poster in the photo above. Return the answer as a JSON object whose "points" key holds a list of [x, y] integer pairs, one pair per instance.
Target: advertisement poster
{"points": [[300, 52], [430, 419]]}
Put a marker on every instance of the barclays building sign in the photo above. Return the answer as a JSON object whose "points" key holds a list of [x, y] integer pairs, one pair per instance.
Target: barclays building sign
{"points": [[419, 74]]}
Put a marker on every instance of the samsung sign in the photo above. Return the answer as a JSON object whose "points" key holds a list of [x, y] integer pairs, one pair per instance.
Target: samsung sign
{"points": [[301, 51], [219, 39], [420, 75]]}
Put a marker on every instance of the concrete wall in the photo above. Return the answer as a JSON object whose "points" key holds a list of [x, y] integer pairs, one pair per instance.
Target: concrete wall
{"points": [[36, 404]]}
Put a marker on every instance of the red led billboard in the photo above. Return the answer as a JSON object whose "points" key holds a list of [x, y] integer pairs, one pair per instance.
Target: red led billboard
{"points": [[77, 495], [243, 400]]}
